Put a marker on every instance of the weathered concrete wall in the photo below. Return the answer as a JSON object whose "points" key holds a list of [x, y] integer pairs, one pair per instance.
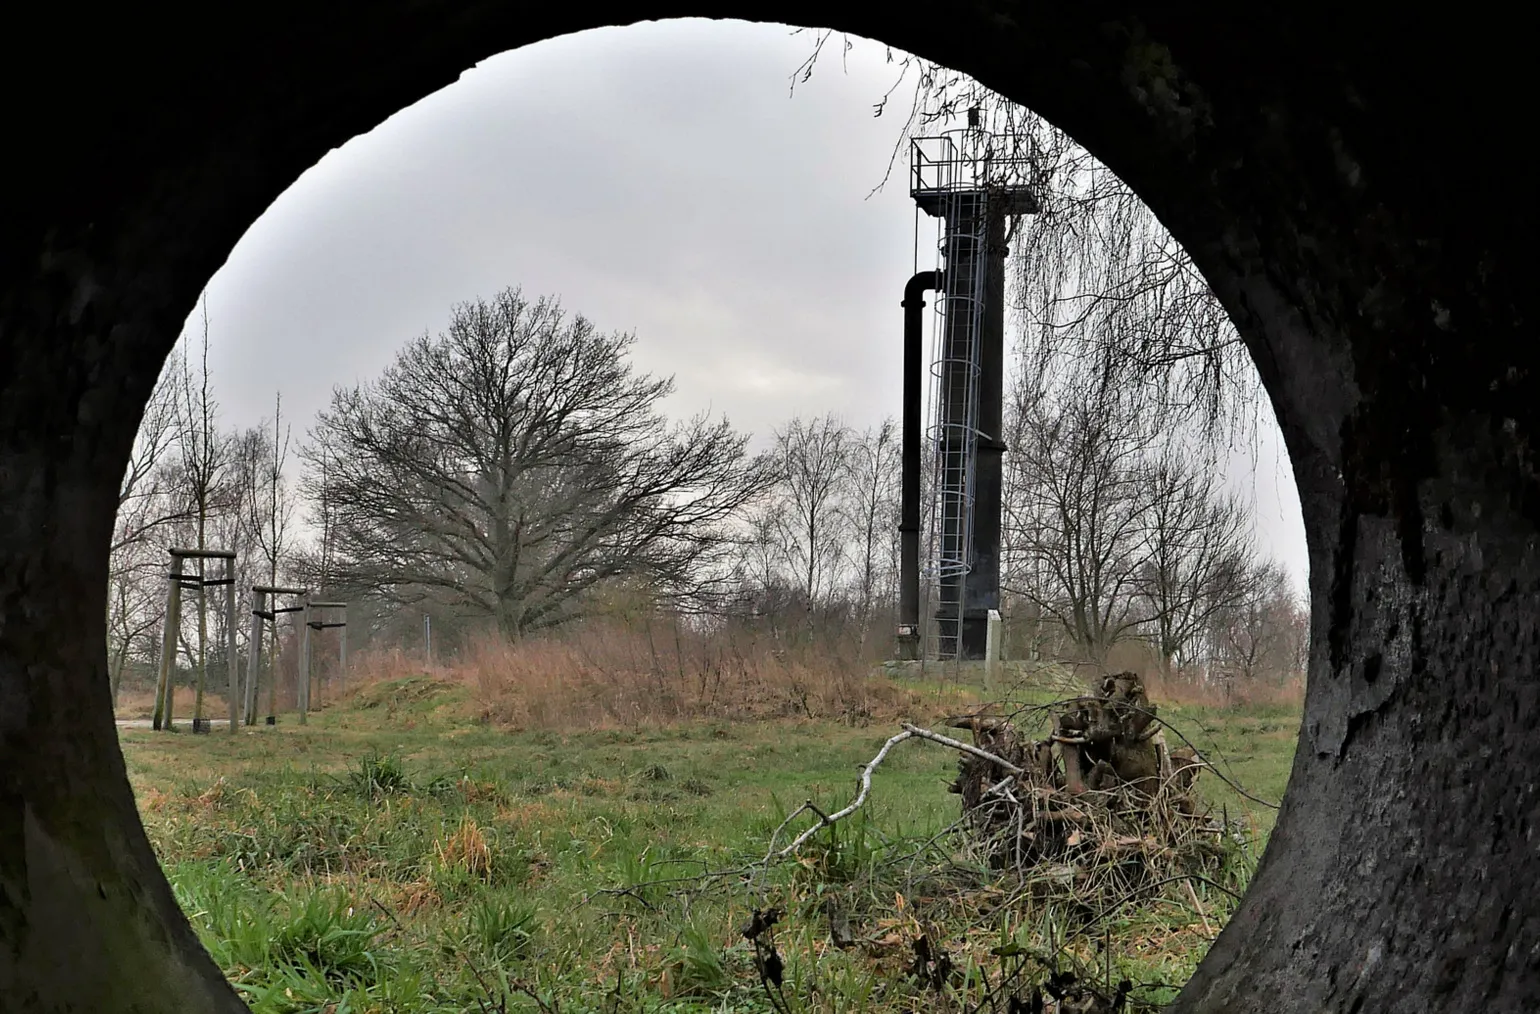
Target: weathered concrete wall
{"points": [[1356, 190]]}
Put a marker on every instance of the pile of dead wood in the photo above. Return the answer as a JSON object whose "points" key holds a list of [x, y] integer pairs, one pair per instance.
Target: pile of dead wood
{"points": [[1099, 801]]}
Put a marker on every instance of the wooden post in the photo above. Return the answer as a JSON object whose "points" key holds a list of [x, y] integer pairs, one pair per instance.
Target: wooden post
{"points": [[313, 625], [316, 611], [253, 659], [992, 650], [203, 639], [273, 665], [302, 681], [173, 621], [234, 663], [342, 653]]}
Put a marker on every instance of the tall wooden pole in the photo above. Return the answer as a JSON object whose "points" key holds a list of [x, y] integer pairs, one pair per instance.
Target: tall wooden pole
{"points": [[273, 668], [203, 638], [234, 663], [253, 658], [302, 682], [173, 620], [342, 672], [316, 617]]}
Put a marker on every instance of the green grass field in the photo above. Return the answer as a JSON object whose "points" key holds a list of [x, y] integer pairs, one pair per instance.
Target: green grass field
{"points": [[396, 856]]}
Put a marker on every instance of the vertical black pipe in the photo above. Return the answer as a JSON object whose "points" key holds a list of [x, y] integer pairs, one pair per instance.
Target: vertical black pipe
{"points": [[909, 514]]}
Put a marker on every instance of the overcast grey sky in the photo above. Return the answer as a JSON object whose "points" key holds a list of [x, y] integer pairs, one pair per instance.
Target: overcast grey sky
{"points": [[659, 179]]}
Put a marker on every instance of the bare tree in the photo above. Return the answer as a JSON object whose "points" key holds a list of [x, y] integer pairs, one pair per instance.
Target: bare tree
{"points": [[265, 515], [872, 477], [147, 506], [1079, 496], [267, 502], [325, 519], [204, 456], [145, 503], [812, 456], [1196, 553], [1258, 635], [515, 463], [1100, 280]]}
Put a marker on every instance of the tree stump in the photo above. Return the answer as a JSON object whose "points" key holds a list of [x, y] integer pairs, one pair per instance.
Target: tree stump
{"points": [[1101, 790]]}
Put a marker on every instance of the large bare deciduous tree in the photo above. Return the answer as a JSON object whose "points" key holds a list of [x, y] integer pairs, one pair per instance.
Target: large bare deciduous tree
{"points": [[515, 462]]}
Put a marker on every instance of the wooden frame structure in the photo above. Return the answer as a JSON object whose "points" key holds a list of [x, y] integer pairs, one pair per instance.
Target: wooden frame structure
{"points": [[260, 595], [314, 620], [165, 685]]}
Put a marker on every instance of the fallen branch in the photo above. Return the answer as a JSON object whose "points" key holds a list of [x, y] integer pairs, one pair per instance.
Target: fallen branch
{"points": [[824, 820], [957, 744], [910, 732]]}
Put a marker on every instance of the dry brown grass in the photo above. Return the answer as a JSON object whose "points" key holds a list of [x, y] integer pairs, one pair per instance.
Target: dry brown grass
{"points": [[1182, 689], [1188, 688], [614, 675], [378, 665], [139, 703], [623, 676], [467, 850]]}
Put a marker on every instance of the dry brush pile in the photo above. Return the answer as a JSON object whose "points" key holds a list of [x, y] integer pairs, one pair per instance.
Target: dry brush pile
{"points": [[1095, 808], [1089, 821]]}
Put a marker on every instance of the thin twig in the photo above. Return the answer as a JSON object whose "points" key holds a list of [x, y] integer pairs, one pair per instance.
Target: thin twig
{"points": [[1220, 774], [388, 914], [1208, 930]]}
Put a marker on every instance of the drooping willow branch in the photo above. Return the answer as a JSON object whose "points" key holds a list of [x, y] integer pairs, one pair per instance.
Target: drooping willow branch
{"points": [[1100, 287]]}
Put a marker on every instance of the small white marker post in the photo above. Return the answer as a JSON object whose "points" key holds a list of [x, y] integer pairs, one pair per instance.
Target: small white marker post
{"points": [[992, 634]]}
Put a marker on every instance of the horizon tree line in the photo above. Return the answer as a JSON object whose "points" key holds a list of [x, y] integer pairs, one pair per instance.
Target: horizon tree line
{"points": [[514, 474]]}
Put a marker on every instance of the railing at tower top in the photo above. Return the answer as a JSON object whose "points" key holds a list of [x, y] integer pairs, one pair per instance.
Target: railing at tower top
{"points": [[963, 160]]}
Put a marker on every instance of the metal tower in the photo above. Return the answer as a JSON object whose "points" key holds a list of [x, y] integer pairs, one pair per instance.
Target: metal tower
{"points": [[958, 179]]}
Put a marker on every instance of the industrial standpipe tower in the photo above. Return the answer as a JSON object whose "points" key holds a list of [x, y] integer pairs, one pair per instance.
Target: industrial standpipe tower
{"points": [[963, 179]]}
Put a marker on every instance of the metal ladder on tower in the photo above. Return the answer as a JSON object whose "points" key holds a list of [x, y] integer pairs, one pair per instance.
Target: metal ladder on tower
{"points": [[955, 406]]}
